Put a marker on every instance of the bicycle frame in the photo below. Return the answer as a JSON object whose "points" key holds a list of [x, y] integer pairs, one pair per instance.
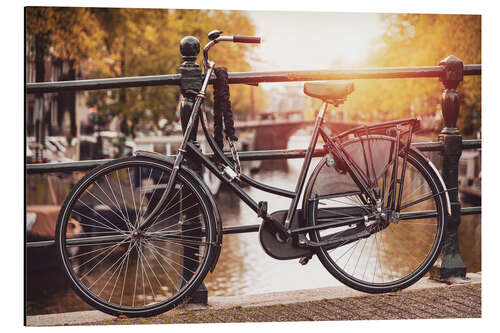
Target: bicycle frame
{"points": [[222, 166]]}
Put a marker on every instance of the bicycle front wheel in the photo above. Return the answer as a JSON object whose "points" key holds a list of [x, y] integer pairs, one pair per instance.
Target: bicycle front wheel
{"points": [[117, 268], [397, 253]]}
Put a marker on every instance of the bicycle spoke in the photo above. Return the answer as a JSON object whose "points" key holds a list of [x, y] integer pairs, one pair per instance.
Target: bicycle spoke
{"points": [[86, 253], [123, 198], [367, 259], [133, 195], [144, 272], [144, 195], [110, 267], [116, 201], [154, 191], [171, 226], [177, 254], [110, 209], [357, 261], [122, 260], [153, 251], [113, 248], [105, 219], [118, 276], [157, 249], [166, 208]]}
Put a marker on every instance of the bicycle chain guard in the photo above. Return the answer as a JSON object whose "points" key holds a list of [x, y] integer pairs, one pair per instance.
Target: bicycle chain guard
{"points": [[275, 249]]}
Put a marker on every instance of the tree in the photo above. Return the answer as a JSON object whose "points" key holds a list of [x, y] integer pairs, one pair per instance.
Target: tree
{"points": [[146, 42], [119, 42], [422, 40], [64, 34]]}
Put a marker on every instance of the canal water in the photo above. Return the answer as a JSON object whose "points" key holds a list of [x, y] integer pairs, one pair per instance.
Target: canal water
{"points": [[243, 267]]}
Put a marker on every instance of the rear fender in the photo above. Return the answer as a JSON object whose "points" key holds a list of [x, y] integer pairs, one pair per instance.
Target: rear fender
{"points": [[218, 222], [438, 175]]}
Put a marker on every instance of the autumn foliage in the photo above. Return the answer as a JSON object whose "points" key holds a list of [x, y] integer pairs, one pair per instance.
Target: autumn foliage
{"points": [[121, 42], [421, 40]]}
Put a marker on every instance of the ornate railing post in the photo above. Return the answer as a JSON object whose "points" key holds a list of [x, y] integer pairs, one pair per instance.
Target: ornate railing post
{"points": [[191, 81], [451, 264]]}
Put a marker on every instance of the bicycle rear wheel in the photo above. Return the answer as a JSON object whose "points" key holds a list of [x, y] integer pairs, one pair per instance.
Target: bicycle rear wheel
{"points": [[395, 255], [119, 270]]}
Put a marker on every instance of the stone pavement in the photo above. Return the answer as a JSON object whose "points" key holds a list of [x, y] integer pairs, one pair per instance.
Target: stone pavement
{"points": [[426, 299], [459, 301]]}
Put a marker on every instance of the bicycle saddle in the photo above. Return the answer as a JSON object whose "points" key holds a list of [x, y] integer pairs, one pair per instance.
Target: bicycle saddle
{"points": [[329, 90]]}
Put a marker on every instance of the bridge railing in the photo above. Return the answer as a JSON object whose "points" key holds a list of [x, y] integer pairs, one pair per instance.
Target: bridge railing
{"points": [[450, 144]]}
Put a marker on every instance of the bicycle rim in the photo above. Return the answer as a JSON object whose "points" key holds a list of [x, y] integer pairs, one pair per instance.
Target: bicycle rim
{"points": [[118, 270], [395, 256]]}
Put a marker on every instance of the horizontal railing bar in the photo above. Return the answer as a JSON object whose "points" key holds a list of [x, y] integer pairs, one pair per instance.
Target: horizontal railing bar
{"points": [[470, 210], [63, 166], [438, 146], [258, 155], [243, 228], [428, 146], [244, 156], [225, 230], [347, 74], [473, 69], [41, 243], [471, 144], [251, 77], [98, 84]]}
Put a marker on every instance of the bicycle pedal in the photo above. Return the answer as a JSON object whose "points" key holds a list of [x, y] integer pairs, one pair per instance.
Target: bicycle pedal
{"points": [[304, 260]]}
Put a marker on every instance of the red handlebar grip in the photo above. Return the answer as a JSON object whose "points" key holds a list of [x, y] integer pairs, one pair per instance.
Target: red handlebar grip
{"points": [[246, 39]]}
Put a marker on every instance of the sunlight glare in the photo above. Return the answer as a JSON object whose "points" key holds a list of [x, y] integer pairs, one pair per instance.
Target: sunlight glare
{"points": [[313, 40]]}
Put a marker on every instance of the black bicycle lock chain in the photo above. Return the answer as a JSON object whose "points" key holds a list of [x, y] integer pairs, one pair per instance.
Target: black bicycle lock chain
{"points": [[222, 108]]}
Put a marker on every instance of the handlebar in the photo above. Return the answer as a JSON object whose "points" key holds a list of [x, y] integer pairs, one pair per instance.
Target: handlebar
{"points": [[215, 37], [246, 39]]}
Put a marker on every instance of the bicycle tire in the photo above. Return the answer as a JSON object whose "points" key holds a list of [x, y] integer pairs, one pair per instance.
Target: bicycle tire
{"points": [[390, 252], [171, 258]]}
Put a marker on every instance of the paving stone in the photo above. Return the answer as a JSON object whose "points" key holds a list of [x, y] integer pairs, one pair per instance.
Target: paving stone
{"points": [[315, 307], [207, 316], [462, 301], [345, 312], [240, 315], [282, 313], [306, 311], [335, 312], [363, 308], [434, 311], [402, 309]]}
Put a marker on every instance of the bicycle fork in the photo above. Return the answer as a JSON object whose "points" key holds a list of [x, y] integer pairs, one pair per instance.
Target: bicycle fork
{"points": [[166, 196]]}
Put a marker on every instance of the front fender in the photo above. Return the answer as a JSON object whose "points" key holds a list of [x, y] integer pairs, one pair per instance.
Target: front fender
{"points": [[218, 222]]}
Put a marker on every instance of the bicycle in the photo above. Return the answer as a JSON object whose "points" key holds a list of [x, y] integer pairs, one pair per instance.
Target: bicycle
{"points": [[152, 230]]}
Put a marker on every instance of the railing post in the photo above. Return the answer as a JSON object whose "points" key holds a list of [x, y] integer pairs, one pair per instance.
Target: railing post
{"points": [[191, 81], [450, 263]]}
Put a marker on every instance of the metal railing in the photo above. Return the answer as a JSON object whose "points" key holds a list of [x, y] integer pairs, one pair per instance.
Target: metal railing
{"points": [[261, 155], [250, 78], [450, 144]]}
